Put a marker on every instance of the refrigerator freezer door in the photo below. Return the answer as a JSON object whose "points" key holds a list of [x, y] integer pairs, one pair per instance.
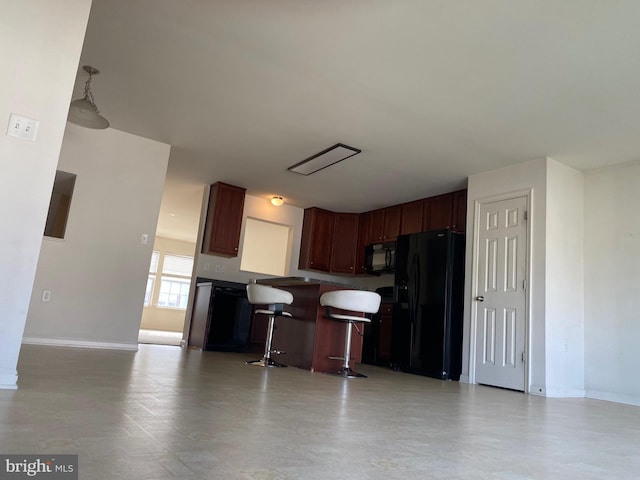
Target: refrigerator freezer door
{"points": [[429, 269]]}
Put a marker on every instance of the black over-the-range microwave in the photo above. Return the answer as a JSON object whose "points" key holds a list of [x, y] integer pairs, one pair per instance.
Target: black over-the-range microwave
{"points": [[380, 258]]}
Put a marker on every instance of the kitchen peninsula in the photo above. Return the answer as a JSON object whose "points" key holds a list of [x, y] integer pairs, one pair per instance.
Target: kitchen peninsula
{"points": [[309, 338]]}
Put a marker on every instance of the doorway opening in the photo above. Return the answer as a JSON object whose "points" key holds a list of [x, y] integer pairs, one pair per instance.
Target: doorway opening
{"points": [[167, 293]]}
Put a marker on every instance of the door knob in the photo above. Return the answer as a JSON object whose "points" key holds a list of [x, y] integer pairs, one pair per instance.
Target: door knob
{"points": [[480, 298]]}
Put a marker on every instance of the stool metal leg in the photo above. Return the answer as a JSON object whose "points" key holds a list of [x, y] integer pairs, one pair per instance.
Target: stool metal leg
{"points": [[266, 360], [346, 371]]}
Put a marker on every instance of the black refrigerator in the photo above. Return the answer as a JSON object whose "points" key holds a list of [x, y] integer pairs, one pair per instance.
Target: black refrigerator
{"points": [[428, 304]]}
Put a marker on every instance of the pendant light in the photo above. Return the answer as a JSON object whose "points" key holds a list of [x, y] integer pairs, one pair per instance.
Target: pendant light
{"points": [[84, 111]]}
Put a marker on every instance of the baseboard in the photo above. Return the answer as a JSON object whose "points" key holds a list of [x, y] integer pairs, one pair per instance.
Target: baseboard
{"points": [[63, 342], [565, 393], [464, 379], [537, 390], [8, 381], [613, 397]]}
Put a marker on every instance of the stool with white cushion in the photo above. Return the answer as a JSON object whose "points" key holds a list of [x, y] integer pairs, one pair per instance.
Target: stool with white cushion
{"points": [[353, 301], [275, 299]]}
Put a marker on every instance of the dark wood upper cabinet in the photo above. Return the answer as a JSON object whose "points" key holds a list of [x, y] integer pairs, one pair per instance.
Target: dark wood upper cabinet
{"points": [[411, 219], [335, 242], [317, 240], [392, 216], [363, 241], [459, 211], [384, 224], [345, 241], [438, 212], [376, 226], [224, 220]]}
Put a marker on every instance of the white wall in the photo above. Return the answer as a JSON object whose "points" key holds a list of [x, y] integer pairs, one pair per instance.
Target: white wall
{"points": [[612, 283], [97, 275], [564, 297], [40, 44], [168, 319], [527, 176]]}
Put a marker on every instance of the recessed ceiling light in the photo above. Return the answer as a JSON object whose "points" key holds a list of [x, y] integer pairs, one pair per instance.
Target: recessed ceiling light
{"points": [[324, 159]]}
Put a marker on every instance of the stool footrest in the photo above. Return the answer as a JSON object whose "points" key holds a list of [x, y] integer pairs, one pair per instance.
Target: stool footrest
{"points": [[347, 373], [266, 362]]}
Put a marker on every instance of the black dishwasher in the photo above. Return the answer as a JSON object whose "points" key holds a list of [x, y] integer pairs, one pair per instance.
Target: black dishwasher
{"points": [[230, 319]]}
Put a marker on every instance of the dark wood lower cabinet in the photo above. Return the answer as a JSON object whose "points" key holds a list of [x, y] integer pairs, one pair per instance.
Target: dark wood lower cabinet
{"points": [[309, 338], [385, 320], [377, 341]]}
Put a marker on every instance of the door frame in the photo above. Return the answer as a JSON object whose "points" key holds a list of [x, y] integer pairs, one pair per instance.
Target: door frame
{"points": [[473, 331]]}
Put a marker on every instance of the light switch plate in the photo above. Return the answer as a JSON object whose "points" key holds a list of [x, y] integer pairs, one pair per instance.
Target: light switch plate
{"points": [[22, 127]]}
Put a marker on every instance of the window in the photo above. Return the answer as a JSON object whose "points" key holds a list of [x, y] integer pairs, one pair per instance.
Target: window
{"points": [[173, 293], [175, 279], [153, 268]]}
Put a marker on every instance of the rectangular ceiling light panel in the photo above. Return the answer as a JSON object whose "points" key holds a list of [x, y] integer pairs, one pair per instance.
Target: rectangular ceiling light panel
{"points": [[324, 159]]}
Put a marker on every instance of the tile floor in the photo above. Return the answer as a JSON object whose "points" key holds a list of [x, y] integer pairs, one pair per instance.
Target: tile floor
{"points": [[166, 412], [159, 337]]}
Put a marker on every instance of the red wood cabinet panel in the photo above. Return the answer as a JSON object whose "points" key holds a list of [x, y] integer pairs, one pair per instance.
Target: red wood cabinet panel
{"points": [[438, 212], [363, 241], [384, 224], [385, 318], [411, 220], [376, 226], [317, 240], [392, 216], [459, 211], [224, 220], [345, 240]]}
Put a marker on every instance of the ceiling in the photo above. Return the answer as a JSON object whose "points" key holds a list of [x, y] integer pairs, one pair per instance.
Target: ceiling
{"points": [[431, 91]]}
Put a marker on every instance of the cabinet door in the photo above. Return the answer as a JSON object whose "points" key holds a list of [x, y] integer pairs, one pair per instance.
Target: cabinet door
{"points": [[345, 239], [317, 239], [411, 219], [459, 211], [224, 220], [376, 226], [385, 317], [363, 241], [438, 212], [392, 216]]}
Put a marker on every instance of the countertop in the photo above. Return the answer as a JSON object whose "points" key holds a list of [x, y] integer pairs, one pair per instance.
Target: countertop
{"points": [[302, 281]]}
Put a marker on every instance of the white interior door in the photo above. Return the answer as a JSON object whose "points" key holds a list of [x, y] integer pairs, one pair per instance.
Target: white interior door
{"points": [[500, 300]]}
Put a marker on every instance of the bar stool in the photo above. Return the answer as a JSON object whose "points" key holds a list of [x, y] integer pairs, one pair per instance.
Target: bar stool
{"points": [[275, 299], [354, 301]]}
